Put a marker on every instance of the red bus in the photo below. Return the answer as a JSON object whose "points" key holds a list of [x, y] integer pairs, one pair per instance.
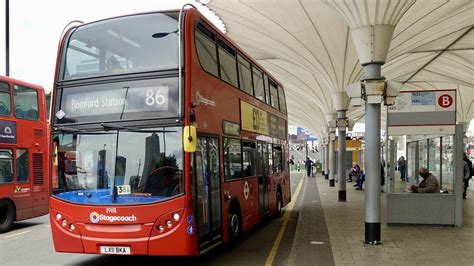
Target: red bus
{"points": [[130, 173], [24, 187]]}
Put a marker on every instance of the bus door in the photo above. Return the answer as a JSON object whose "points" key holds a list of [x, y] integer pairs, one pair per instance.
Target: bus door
{"points": [[262, 179], [207, 191]]}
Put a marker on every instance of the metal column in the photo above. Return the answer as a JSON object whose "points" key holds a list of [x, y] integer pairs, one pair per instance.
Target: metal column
{"points": [[326, 161], [332, 168], [372, 163], [323, 163], [341, 166]]}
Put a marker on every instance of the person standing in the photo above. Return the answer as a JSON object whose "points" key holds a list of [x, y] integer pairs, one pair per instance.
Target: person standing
{"points": [[467, 169], [308, 165], [402, 167]]}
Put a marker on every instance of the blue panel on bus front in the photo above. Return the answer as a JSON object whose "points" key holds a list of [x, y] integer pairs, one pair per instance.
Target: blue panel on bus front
{"points": [[104, 196]]}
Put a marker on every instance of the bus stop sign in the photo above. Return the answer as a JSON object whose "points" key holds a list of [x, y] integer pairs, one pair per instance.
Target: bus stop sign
{"points": [[445, 101]]}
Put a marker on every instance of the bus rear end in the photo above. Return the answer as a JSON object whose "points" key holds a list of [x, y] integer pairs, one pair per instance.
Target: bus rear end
{"points": [[118, 166]]}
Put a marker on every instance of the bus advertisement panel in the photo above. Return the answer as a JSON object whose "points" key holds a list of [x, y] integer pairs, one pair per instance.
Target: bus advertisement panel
{"points": [[23, 152], [129, 172]]}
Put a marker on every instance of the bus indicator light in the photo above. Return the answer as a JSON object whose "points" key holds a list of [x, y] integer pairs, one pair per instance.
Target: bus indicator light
{"points": [[169, 223], [190, 230], [190, 219]]}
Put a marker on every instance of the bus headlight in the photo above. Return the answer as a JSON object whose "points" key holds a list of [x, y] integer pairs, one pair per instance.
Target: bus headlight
{"points": [[176, 216], [58, 216], [64, 223], [161, 228], [72, 227]]}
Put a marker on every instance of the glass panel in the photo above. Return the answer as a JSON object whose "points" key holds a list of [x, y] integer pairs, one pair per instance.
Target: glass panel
{"points": [[258, 84], [281, 96], [245, 75], [274, 94], [434, 162], [270, 158], [267, 90], [248, 156], [202, 194], [6, 166], [25, 102], [262, 159], [227, 64], [232, 159], [127, 44], [94, 167], [447, 163], [277, 159], [411, 163], [213, 146], [423, 153], [22, 173], [5, 100], [206, 49]]}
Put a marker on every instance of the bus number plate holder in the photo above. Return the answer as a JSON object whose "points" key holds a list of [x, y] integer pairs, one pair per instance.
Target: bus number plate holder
{"points": [[115, 250]]}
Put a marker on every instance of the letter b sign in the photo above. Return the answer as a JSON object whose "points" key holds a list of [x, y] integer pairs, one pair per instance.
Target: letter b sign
{"points": [[445, 101]]}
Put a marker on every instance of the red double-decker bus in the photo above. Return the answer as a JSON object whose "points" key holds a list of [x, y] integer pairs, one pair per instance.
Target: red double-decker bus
{"points": [[24, 189], [157, 156]]}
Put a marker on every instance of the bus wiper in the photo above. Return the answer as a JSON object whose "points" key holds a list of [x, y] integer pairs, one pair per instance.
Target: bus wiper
{"points": [[117, 127], [113, 126], [67, 129]]}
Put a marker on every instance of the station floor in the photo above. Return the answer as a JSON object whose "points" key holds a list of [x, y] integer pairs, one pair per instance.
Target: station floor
{"points": [[344, 237]]}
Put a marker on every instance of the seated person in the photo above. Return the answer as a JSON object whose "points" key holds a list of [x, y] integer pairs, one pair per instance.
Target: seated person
{"points": [[428, 185], [355, 171], [113, 64]]}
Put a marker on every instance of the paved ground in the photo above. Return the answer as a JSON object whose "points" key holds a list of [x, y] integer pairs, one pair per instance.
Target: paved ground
{"points": [[401, 245]]}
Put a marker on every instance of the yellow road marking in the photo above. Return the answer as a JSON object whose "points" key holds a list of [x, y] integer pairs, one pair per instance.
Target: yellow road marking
{"points": [[17, 234], [285, 218]]}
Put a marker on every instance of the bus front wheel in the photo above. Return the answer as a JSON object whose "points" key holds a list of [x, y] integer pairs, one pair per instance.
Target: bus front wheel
{"points": [[7, 215]]}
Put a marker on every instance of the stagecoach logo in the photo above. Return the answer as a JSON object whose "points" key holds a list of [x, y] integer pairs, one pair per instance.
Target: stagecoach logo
{"points": [[246, 190], [19, 189], [8, 132], [201, 99], [95, 217]]}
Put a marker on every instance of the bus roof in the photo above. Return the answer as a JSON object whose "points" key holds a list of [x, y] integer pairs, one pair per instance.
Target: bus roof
{"points": [[21, 82]]}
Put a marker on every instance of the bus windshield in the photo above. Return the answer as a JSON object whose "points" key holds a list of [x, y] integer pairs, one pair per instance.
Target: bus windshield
{"points": [[118, 167], [129, 44]]}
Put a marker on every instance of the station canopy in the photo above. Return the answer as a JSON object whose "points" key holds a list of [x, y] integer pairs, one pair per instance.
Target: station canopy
{"points": [[307, 45]]}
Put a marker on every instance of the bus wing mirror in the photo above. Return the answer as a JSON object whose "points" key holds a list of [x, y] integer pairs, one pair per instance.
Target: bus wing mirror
{"points": [[189, 139]]}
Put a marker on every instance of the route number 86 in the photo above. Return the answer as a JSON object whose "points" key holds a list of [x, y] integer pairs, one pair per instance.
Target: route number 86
{"points": [[153, 98]]}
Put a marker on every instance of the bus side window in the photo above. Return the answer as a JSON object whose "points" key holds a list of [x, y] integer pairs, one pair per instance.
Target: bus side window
{"points": [[22, 165], [6, 166], [258, 84], [232, 159], [25, 102], [205, 42], [270, 158], [248, 158], [5, 105]]}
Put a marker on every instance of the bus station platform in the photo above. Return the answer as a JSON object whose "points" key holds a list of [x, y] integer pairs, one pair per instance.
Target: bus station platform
{"points": [[329, 232]]}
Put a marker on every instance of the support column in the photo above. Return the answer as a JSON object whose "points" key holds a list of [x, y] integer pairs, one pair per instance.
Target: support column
{"points": [[373, 160], [341, 166], [323, 160], [332, 168], [326, 161]]}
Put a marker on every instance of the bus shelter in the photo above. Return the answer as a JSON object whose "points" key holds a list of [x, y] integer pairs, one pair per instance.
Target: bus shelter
{"points": [[433, 140]]}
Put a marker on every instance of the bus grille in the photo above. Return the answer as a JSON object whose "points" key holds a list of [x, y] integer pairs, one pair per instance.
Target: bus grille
{"points": [[38, 169]]}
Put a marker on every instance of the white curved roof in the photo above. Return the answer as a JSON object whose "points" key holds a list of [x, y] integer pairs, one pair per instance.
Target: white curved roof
{"points": [[308, 46]]}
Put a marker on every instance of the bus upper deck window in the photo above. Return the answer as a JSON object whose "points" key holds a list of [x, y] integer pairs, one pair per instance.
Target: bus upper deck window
{"points": [[5, 105]]}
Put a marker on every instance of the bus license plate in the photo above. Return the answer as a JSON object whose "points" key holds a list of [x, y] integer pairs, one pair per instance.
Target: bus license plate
{"points": [[115, 250]]}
